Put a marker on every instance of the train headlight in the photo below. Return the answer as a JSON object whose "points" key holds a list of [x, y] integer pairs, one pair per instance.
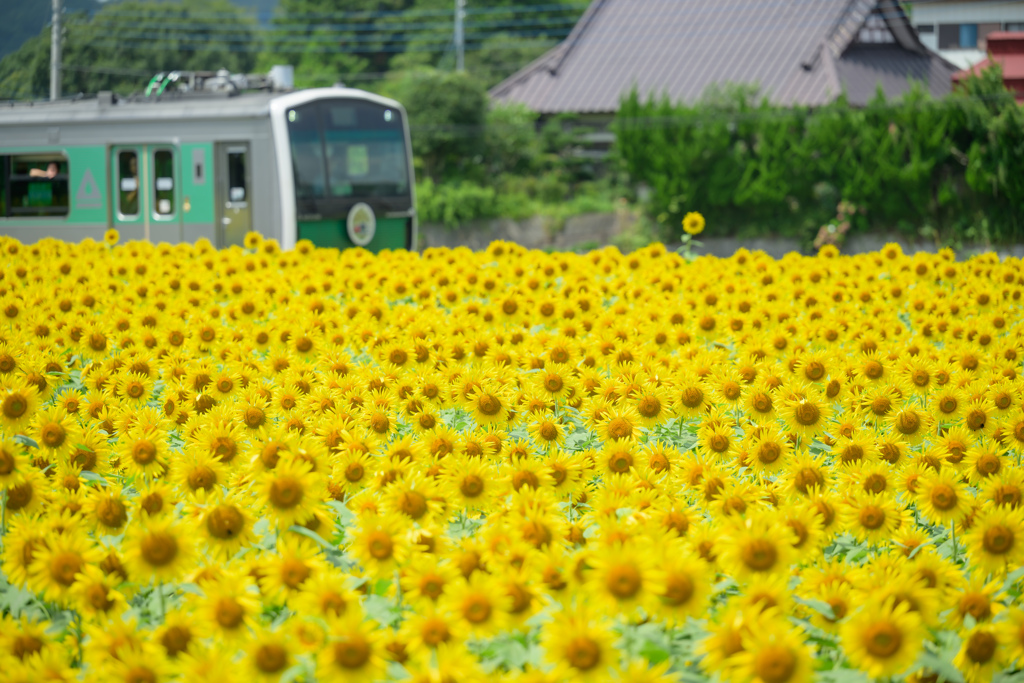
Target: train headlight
{"points": [[387, 115]]}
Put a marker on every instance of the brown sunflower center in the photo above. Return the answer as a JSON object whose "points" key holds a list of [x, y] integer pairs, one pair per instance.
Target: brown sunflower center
{"points": [[413, 503], [176, 639], [871, 516], [943, 497], [583, 653], [988, 464], [908, 423], [294, 572], [229, 613], [53, 435], [981, 647], [678, 589], [224, 522], [7, 463], [762, 403], [649, 407], [759, 554], [434, 631], [286, 492], [692, 397], [380, 545], [976, 420], [254, 417], [623, 581], [775, 664], [111, 513], [719, 443], [620, 428], [476, 609], [201, 477], [159, 548], [883, 639], [814, 371], [471, 486], [98, 597], [998, 539], [352, 653], [881, 405], [807, 414], [488, 404], [143, 452], [769, 452], [548, 431], [271, 658], [64, 566]]}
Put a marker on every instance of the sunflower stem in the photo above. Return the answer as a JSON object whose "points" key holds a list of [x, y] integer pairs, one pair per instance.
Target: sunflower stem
{"points": [[952, 529], [160, 594], [3, 515], [78, 637]]}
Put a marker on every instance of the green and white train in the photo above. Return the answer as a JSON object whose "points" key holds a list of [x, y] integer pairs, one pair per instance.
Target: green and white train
{"points": [[331, 165]]}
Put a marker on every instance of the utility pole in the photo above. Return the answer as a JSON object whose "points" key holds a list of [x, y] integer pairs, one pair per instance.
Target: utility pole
{"points": [[460, 37], [55, 51]]}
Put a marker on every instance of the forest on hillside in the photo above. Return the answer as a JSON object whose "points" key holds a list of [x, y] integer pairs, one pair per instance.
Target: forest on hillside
{"points": [[120, 44]]}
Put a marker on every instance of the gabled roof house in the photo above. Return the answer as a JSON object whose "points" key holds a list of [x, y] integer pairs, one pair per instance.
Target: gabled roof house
{"points": [[799, 52]]}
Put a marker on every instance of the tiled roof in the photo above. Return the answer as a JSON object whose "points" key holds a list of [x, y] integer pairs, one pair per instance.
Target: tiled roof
{"points": [[797, 51]]}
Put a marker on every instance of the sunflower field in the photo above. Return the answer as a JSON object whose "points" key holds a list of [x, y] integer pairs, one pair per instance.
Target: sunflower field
{"points": [[257, 465]]}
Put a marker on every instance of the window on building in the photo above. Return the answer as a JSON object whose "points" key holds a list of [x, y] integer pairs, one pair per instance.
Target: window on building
{"points": [[926, 28], [949, 36], [983, 31], [1015, 26], [35, 185], [968, 36]]}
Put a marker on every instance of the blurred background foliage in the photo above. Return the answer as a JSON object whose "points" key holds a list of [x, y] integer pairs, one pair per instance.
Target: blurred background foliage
{"points": [[950, 169]]}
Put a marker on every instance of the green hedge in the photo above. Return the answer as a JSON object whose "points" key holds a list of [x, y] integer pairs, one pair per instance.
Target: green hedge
{"points": [[952, 168]]}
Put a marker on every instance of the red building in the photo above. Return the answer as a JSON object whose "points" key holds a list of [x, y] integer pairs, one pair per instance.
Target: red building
{"points": [[1005, 48]]}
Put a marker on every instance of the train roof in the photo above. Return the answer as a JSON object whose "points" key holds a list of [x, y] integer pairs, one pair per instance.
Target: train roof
{"points": [[170, 106]]}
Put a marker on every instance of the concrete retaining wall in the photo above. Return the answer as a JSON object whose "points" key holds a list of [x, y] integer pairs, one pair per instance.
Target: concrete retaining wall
{"points": [[595, 230]]}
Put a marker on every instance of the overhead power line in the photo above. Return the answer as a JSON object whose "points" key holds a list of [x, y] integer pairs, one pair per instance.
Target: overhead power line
{"points": [[355, 28], [201, 45], [515, 10], [338, 39]]}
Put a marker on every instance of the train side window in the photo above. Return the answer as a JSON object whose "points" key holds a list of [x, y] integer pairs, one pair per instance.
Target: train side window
{"points": [[128, 183], [163, 182], [3, 186], [307, 152], [237, 187], [37, 185]]}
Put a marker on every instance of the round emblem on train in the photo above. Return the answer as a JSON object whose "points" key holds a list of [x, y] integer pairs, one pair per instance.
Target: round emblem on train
{"points": [[361, 224]]}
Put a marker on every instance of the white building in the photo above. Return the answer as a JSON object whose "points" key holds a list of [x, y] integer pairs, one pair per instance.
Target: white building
{"points": [[956, 29]]}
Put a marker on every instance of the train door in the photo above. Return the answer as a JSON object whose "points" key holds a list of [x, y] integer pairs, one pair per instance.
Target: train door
{"points": [[145, 184], [234, 183]]}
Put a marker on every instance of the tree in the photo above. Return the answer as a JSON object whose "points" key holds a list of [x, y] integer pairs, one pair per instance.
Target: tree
{"points": [[447, 112], [124, 44]]}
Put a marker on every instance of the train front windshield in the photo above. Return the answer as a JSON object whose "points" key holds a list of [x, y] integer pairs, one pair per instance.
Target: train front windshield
{"points": [[345, 151]]}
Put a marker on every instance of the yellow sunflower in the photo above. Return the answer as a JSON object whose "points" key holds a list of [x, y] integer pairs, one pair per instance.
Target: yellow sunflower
{"points": [[883, 639]]}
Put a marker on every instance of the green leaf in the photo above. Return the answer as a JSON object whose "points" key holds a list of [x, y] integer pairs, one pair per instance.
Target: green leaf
{"points": [[92, 476], [303, 531], [24, 440], [819, 606], [945, 669], [653, 652], [1013, 578], [382, 610]]}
